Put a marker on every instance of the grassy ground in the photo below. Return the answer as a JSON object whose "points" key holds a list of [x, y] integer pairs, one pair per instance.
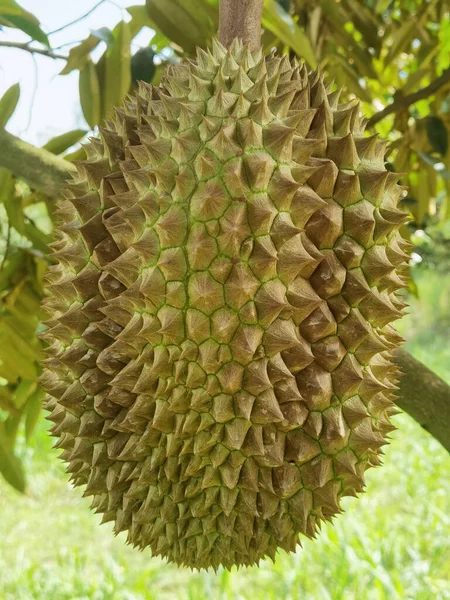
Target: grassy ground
{"points": [[392, 543]]}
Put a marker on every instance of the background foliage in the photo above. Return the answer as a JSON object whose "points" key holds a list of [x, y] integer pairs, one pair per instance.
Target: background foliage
{"points": [[389, 53]]}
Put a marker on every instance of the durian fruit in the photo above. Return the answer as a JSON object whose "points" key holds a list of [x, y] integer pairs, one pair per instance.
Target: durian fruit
{"points": [[219, 367]]}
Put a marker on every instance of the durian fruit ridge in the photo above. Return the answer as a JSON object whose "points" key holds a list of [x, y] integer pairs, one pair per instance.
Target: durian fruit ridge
{"points": [[219, 370]]}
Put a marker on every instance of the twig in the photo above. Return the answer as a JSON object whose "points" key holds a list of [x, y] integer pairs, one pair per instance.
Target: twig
{"points": [[241, 19], [405, 101], [89, 12], [78, 19], [73, 43], [33, 95], [33, 50]]}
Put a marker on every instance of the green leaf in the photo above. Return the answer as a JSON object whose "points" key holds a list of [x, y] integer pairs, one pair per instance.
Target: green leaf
{"points": [[10, 7], [117, 69], [423, 195], [382, 5], [280, 23], [14, 332], [444, 44], [9, 367], [10, 466], [60, 143], [14, 210], [33, 410], [8, 103], [415, 77], [100, 71], [285, 4], [139, 19], [412, 287], [6, 402], [336, 20], [38, 238], [175, 19], [159, 41], [79, 55], [205, 16], [365, 21], [12, 266], [104, 34], [436, 164], [403, 37], [346, 75], [13, 15], [23, 391], [11, 428], [159, 73], [437, 134], [27, 26], [7, 186], [79, 154], [90, 95], [142, 66]]}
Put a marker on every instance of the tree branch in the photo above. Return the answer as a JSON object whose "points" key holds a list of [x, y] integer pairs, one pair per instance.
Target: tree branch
{"points": [[240, 19], [405, 101], [425, 397], [41, 169], [33, 50]]}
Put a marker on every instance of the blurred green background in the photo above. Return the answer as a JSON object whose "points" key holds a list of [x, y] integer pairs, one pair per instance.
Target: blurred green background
{"points": [[63, 66]]}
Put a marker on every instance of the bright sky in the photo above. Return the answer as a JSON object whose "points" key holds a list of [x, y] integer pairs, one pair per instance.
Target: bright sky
{"points": [[49, 103]]}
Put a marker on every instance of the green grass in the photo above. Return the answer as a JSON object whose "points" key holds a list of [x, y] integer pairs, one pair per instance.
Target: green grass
{"points": [[391, 543]]}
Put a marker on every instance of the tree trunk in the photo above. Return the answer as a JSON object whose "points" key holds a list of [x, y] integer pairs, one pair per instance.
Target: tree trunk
{"points": [[241, 19]]}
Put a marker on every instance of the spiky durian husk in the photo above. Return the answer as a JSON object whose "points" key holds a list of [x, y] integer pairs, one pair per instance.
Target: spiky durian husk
{"points": [[219, 369]]}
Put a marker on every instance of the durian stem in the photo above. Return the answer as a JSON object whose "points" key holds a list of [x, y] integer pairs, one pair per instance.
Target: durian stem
{"points": [[425, 397], [241, 19], [42, 170]]}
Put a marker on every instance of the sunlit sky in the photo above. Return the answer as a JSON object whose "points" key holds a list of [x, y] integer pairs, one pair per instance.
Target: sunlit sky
{"points": [[49, 103]]}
